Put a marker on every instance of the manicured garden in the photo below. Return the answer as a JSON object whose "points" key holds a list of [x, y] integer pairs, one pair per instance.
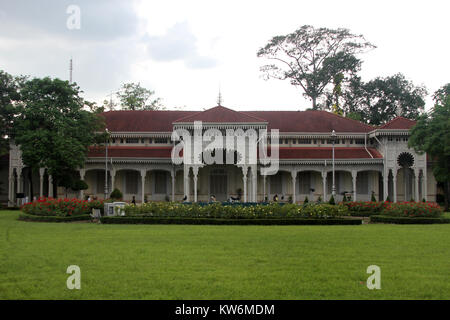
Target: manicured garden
{"points": [[350, 213], [222, 262]]}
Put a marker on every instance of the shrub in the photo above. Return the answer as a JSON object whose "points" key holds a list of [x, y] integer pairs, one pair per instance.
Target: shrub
{"points": [[60, 207], [364, 208], [373, 199], [116, 194], [36, 218], [203, 221], [412, 209], [241, 211], [319, 200], [332, 200], [408, 220], [388, 199], [306, 200]]}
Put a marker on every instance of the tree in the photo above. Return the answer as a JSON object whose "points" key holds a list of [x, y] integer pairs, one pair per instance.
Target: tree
{"points": [[133, 96], [431, 134], [311, 58], [382, 99], [53, 130], [9, 99]]}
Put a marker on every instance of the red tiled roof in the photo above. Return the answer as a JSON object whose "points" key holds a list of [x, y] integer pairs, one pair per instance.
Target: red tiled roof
{"points": [[309, 121], [399, 123], [131, 152], [142, 121], [221, 114], [326, 153], [284, 153], [285, 121]]}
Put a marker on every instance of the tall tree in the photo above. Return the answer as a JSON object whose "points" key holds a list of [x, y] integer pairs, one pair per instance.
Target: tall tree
{"points": [[9, 99], [311, 58], [382, 99], [53, 130], [431, 134], [133, 96]]}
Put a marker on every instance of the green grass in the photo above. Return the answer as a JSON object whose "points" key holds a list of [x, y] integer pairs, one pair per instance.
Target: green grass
{"points": [[222, 262]]}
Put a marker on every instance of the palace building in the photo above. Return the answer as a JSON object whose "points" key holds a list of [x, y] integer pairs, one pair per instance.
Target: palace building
{"points": [[367, 160]]}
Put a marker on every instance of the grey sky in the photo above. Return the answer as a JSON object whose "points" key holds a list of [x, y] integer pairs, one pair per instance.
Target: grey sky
{"points": [[185, 50]]}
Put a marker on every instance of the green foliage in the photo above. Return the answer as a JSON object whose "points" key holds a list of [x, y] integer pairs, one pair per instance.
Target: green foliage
{"points": [[217, 210], [314, 59], [37, 218], [331, 201], [306, 200], [373, 199], [364, 208], [61, 207], [412, 209], [9, 98], [388, 199], [216, 221], [79, 185], [116, 194], [319, 200], [431, 134], [53, 130], [379, 100], [133, 96], [408, 220]]}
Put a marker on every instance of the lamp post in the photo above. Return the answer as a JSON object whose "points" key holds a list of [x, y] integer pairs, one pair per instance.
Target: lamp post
{"points": [[106, 164], [333, 188]]}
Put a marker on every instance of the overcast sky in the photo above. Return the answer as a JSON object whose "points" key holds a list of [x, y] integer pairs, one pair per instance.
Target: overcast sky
{"points": [[186, 50]]}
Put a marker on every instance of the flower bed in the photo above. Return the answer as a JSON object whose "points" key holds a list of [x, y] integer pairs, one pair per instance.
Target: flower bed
{"points": [[61, 207], [412, 209], [363, 208], [217, 210], [398, 209]]}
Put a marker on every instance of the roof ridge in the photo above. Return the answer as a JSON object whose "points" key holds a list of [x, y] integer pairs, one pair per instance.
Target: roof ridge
{"points": [[215, 108], [395, 119]]}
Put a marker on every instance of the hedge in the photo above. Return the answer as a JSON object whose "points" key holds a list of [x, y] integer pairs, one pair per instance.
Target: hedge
{"points": [[217, 221], [37, 218], [219, 211], [408, 220]]}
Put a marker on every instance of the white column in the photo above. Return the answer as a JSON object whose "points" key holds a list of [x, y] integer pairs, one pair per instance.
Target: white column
{"points": [[324, 184], [82, 174], [385, 184], [41, 182], [424, 181], [264, 188], [10, 188], [50, 186], [173, 173], [195, 172], [254, 184], [294, 180], [244, 179], [113, 179], [394, 183], [354, 176], [416, 184], [186, 182], [143, 175]]}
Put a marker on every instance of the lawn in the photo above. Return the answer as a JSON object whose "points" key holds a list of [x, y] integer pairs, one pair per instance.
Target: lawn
{"points": [[222, 262]]}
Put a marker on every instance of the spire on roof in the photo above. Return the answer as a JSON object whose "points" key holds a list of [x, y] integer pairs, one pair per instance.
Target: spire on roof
{"points": [[219, 99]]}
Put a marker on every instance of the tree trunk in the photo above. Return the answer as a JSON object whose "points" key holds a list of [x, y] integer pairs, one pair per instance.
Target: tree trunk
{"points": [[314, 103], [30, 177]]}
